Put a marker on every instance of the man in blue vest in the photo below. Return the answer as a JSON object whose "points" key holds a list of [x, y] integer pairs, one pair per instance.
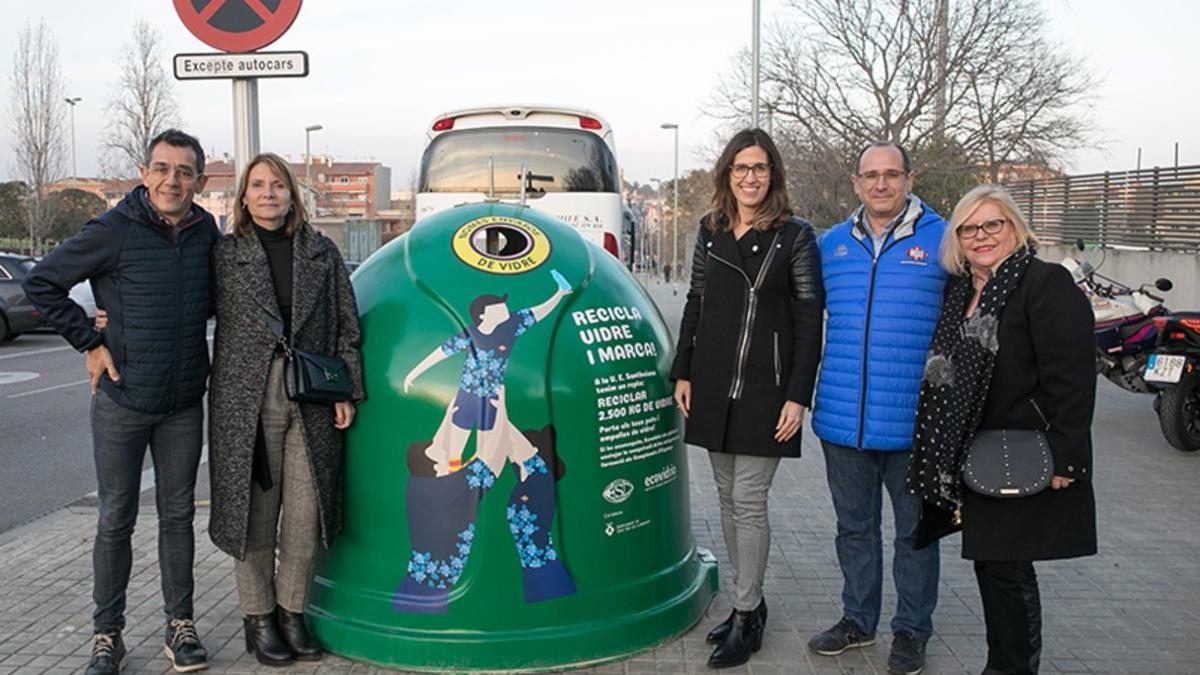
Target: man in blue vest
{"points": [[148, 263], [883, 293]]}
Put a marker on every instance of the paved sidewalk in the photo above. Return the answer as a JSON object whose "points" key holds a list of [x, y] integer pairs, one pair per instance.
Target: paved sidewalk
{"points": [[1133, 608]]}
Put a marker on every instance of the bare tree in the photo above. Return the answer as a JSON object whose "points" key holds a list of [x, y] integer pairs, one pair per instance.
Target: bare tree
{"points": [[37, 121], [1023, 105], [414, 181], [695, 196], [969, 86], [142, 105]]}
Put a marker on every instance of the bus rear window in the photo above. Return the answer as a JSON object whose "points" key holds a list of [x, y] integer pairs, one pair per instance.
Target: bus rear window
{"points": [[559, 160]]}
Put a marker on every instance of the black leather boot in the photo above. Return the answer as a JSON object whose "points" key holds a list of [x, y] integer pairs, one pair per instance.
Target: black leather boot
{"points": [[743, 639], [296, 635], [717, 634], [264, 641]]}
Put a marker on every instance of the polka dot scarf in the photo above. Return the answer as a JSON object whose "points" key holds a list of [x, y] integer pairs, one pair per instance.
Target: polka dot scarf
{"points": [[958, 373]]}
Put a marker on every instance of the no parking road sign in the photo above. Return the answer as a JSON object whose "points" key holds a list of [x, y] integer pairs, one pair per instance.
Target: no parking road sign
{"points": [[241, 27], [237, 25]]}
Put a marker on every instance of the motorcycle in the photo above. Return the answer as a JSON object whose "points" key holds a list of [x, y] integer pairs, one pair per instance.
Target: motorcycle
{"points": [[1171, 371], [1126, 331], [1143, 347]]}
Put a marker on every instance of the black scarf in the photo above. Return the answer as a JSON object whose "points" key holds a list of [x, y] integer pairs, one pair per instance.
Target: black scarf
{"points": [[958, 373]]}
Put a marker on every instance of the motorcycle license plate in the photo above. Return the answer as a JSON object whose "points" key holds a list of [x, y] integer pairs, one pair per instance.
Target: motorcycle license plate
{"points": [[1164, 368]]}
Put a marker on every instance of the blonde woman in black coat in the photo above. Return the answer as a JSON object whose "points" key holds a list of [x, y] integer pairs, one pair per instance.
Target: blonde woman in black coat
{"points": [[268, 455], [746, 362], [1013, 349]]}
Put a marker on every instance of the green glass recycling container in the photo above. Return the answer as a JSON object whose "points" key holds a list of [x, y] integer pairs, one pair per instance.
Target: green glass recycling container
{"points": [[516, 483]]}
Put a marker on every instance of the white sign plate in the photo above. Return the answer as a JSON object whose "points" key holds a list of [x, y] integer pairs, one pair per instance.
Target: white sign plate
{"points": [[1164, 368], [218, 66]]}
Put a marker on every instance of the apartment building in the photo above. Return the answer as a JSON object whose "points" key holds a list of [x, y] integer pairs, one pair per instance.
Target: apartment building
{"points": [[354, 190]]}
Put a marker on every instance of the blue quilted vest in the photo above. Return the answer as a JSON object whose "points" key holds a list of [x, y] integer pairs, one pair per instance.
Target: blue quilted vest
{"points": [[881, 315], [158, 322]]}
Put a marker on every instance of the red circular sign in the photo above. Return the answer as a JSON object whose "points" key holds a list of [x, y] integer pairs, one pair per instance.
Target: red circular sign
{"points": [[237, 25]]}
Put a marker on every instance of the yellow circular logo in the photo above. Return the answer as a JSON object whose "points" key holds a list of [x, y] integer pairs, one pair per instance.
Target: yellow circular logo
{"points": [[501, 245]]}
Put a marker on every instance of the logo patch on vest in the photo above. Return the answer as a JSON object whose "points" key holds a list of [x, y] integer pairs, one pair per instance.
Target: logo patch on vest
{"points": [[916, 256], [840, 251]]}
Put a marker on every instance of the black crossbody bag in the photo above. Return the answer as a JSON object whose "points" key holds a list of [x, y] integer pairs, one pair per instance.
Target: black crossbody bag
{"points": [[1009, 463], [309, 377]]}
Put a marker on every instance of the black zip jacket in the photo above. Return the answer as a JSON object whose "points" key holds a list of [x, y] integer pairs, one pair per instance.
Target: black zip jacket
{"points": [[154, 280], [748, 344]]}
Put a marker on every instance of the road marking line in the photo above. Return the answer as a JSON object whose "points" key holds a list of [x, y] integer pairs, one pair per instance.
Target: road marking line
{"points": [[17, 377], [33, 352], [57, 386], [43, 390]]}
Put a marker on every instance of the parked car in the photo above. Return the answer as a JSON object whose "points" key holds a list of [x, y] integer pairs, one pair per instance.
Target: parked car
{"points": [[17, 314]]}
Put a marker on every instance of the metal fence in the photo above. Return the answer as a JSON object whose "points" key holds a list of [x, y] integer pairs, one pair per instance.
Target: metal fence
{"points": [[1157, 209]]}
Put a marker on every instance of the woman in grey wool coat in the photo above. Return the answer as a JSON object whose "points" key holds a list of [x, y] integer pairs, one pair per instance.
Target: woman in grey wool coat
{"points": [[269, 455]]}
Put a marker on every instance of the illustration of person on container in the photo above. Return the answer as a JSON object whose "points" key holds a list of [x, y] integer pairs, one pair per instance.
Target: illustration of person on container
{"points": [[444, 493]]}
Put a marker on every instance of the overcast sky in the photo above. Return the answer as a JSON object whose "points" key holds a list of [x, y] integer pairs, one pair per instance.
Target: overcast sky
{"points": [[382, 69]]}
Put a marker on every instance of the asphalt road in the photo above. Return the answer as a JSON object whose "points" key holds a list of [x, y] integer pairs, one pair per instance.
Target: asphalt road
{"points": [[45, 437], [45, 443]]}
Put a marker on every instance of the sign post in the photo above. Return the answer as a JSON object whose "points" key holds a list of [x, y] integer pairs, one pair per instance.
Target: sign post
{"points": [[245, 122], [240, 26]]}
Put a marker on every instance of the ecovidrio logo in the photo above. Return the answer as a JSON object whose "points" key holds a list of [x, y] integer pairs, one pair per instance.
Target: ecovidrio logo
{"points": [[662, 477]]}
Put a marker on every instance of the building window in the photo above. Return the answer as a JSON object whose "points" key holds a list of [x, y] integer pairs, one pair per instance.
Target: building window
{"points": [[343, 179], [360, 179]]}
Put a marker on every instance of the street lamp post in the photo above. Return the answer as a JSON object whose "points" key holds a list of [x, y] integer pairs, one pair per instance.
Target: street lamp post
{"points": [[309, 202], [651, 242], [74, 167], [675, 213], [754, 65]]}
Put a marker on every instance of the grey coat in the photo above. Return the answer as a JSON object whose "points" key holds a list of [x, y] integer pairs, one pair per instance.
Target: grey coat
{"points": [[324, 321]]}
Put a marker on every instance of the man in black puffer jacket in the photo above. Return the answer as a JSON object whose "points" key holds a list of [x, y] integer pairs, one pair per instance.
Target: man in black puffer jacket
{"points": [[147, 260]]}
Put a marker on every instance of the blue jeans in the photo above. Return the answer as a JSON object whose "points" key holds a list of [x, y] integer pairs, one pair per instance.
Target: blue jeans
{"points": [[119, 438], [855, 481]]}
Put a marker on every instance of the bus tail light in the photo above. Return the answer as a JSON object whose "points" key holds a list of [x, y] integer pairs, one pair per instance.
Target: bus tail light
{"points": [[610, 244], [589, 123], [444, 124]]}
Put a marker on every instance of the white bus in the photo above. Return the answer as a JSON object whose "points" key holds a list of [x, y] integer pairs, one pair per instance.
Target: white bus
{"points": [[568, 158]]}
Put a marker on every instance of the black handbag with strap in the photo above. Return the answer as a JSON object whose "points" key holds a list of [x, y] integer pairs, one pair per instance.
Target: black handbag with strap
{"points": [[1009, 463], [309, 377]]}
